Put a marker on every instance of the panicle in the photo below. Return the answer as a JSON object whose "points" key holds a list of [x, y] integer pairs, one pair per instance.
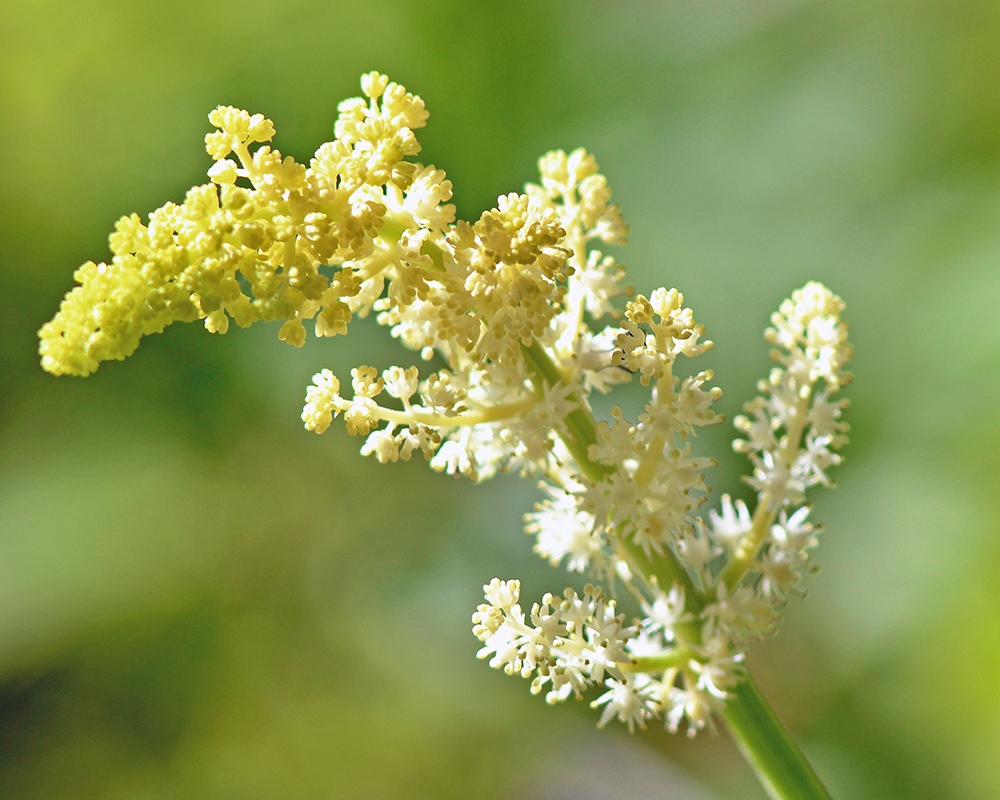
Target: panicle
{"points": [[793, 428], [526, 317], [256, 242], [792, 432]]}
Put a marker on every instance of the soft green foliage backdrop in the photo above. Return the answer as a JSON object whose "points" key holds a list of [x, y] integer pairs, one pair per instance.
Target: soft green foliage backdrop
{"points": [[200, 599]]}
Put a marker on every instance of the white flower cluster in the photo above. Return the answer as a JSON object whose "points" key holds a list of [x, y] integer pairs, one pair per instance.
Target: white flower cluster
{"points": [[631, 518], [515, 305], [511, 313], [520, 275], [792, 433], [793, 429], [566, 645]]}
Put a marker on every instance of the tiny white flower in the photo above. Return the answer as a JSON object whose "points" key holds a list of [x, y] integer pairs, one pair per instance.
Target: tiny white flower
{"points": [[732, 524], [666, 610], [624, 701]]}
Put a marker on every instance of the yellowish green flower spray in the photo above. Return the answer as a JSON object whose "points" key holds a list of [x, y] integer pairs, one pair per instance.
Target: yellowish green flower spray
{"points": [[530, 319]]}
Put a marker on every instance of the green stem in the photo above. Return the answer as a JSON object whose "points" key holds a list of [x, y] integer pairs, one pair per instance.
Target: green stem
{"points": [[672, 659], [580, 422], [667, 572], [765, 743]]}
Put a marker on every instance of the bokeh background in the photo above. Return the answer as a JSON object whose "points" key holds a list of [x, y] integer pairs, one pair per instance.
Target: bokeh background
{"points": [[198, 598]]}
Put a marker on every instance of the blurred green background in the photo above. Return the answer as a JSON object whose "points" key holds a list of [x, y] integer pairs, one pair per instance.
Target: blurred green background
{"points": [[198, 598]]}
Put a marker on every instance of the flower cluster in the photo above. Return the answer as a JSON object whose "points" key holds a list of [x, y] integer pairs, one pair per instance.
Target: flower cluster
{"points": [[256, 251], [793, 431], [567, 643], [529, 318], [517, 284]]}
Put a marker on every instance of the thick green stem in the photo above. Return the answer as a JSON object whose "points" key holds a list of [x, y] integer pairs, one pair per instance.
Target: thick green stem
{"points": [[765, 743]]}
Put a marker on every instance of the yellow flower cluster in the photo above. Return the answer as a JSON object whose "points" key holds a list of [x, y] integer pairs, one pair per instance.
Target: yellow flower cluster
{"points": [[359, 228], [258, 251]]}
